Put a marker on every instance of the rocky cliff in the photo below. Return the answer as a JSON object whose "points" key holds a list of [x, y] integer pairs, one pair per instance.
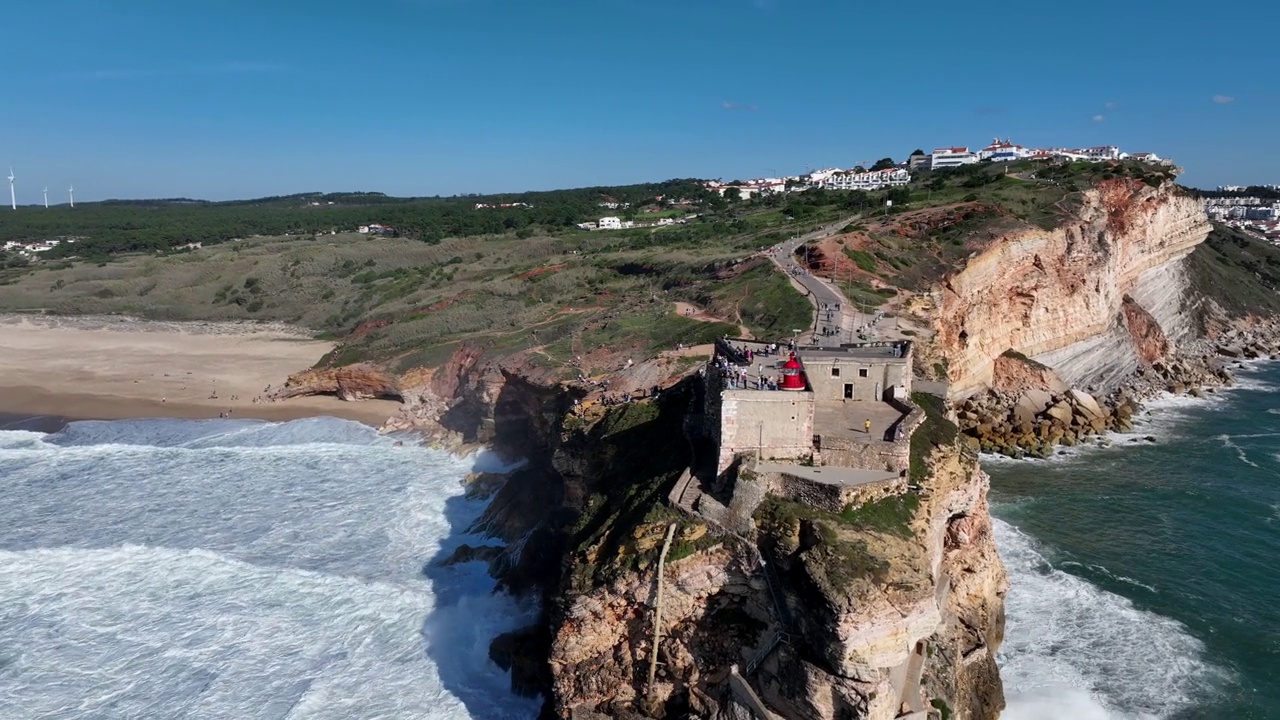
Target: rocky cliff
{"points": [[353, 382], [1094, 299], [869, 614]]}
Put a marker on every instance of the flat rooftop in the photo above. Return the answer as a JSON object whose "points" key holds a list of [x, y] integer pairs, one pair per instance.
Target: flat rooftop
{"points": [[831, 475], [847, 419], [867, 352]]}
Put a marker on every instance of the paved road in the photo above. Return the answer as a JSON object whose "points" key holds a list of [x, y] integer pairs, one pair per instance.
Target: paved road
{"points": [[835, 325]]}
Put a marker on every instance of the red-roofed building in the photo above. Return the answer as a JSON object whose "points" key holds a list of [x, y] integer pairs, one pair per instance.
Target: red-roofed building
{"points": [[952, 157], [1002, 151]]}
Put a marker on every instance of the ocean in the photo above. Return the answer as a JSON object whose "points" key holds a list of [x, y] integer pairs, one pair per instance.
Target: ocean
{"points": [[1145, 576], [242, 569]]}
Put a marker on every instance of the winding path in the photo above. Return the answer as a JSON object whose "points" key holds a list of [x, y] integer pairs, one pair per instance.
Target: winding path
{"points": [[841, 323]]}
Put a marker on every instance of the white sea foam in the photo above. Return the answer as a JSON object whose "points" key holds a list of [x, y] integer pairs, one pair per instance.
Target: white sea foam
{"points": [[1159, 421], [1245, 381], [235, 569], [1073, 650], [1227, 443]]}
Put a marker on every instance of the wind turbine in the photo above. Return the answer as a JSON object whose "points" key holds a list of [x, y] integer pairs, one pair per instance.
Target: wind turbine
{"points": [[46, 197], [71, 193], [13, 199]]}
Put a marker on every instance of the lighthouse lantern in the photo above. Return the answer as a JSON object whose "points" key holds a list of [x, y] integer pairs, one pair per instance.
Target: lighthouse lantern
{"points": [[792, 375]]}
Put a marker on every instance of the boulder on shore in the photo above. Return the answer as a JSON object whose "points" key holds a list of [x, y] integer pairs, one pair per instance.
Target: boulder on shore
{"points": [[1085, 402], [1030, 404], [1060, 412]]}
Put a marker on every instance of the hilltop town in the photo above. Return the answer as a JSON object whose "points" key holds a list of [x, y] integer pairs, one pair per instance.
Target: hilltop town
{"points": [[886, 173]]}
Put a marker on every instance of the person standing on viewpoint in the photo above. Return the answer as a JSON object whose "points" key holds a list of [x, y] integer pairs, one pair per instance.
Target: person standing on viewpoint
{"points": [[867, 425]]}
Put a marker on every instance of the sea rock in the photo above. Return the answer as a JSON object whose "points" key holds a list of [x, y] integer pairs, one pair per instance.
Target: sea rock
{"points": [[354, 382], [1060, 412], [1085, 402], [468, 553], [1030, 404]]}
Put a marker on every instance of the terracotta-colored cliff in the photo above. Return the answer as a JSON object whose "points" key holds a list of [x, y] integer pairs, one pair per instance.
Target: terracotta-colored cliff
{"points": [[1059, 296], [355, 382]]}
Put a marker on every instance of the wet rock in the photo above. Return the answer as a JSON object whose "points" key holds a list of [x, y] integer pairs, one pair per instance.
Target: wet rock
{"points": [[467, 553]]}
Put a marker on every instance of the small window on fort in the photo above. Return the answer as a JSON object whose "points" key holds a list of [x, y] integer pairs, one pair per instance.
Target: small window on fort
{"points": [[862, 372], [835, 372]]}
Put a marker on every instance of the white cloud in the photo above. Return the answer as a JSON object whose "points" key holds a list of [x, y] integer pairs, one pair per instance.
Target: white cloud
{"points": [[1110, 105], [1099, 118], [1223, 99]]}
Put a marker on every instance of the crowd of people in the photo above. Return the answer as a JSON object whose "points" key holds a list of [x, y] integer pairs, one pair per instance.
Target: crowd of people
{"points": [[734, 364]]}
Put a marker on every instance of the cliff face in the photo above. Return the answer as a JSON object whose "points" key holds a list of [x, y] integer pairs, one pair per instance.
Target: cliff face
{"points": [[354, 382], [882, 618], [1092, 299]]}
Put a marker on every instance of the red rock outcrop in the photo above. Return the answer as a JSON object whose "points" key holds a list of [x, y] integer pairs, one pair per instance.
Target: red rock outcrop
{"points": [[1014, 374], [1148, 337], [354, 382]]}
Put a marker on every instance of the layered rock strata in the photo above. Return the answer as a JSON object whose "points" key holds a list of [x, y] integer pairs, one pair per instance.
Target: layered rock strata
{"points": [[1083, 299]]}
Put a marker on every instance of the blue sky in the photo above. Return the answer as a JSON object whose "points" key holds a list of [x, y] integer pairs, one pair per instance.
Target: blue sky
{"points": [[233, 99]]}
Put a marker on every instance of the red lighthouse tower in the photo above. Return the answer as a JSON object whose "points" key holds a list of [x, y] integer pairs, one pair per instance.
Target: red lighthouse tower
{"points": [[793, 375]]}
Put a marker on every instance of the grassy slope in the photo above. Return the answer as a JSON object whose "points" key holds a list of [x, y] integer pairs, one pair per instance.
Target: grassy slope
{"points": [[1238, 271], [411, 303]]}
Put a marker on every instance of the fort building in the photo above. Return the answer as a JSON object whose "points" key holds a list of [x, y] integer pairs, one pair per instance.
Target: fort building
{"points": [[851, 401]]}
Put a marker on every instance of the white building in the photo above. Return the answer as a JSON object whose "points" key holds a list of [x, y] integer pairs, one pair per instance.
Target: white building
{"points": [[951, 157], [1149, 157], [1002, 151], [1232, 188], [1102, 152], [818, 177], [873, 180], [610, 223]]}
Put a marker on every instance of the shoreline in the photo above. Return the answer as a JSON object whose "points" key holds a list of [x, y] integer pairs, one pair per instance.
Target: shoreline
{"points": [[87, 368], [1151, 408], [25, 404]]}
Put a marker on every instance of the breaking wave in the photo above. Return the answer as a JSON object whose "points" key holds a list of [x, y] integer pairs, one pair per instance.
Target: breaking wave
{"points": [[238, 569], [1073, 651]]}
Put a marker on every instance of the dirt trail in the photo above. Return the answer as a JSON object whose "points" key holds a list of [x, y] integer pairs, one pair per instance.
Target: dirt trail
{"points": [[693, 312]]}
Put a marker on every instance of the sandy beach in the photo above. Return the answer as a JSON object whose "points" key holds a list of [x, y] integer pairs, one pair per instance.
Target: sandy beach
{"points": [[114, 368]]}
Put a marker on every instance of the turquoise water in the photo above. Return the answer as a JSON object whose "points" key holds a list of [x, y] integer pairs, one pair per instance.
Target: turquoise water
{"points": [[1146, 575]]}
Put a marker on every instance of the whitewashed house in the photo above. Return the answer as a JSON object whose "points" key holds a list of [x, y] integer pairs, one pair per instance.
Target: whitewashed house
{"points": [[952, 157]]}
